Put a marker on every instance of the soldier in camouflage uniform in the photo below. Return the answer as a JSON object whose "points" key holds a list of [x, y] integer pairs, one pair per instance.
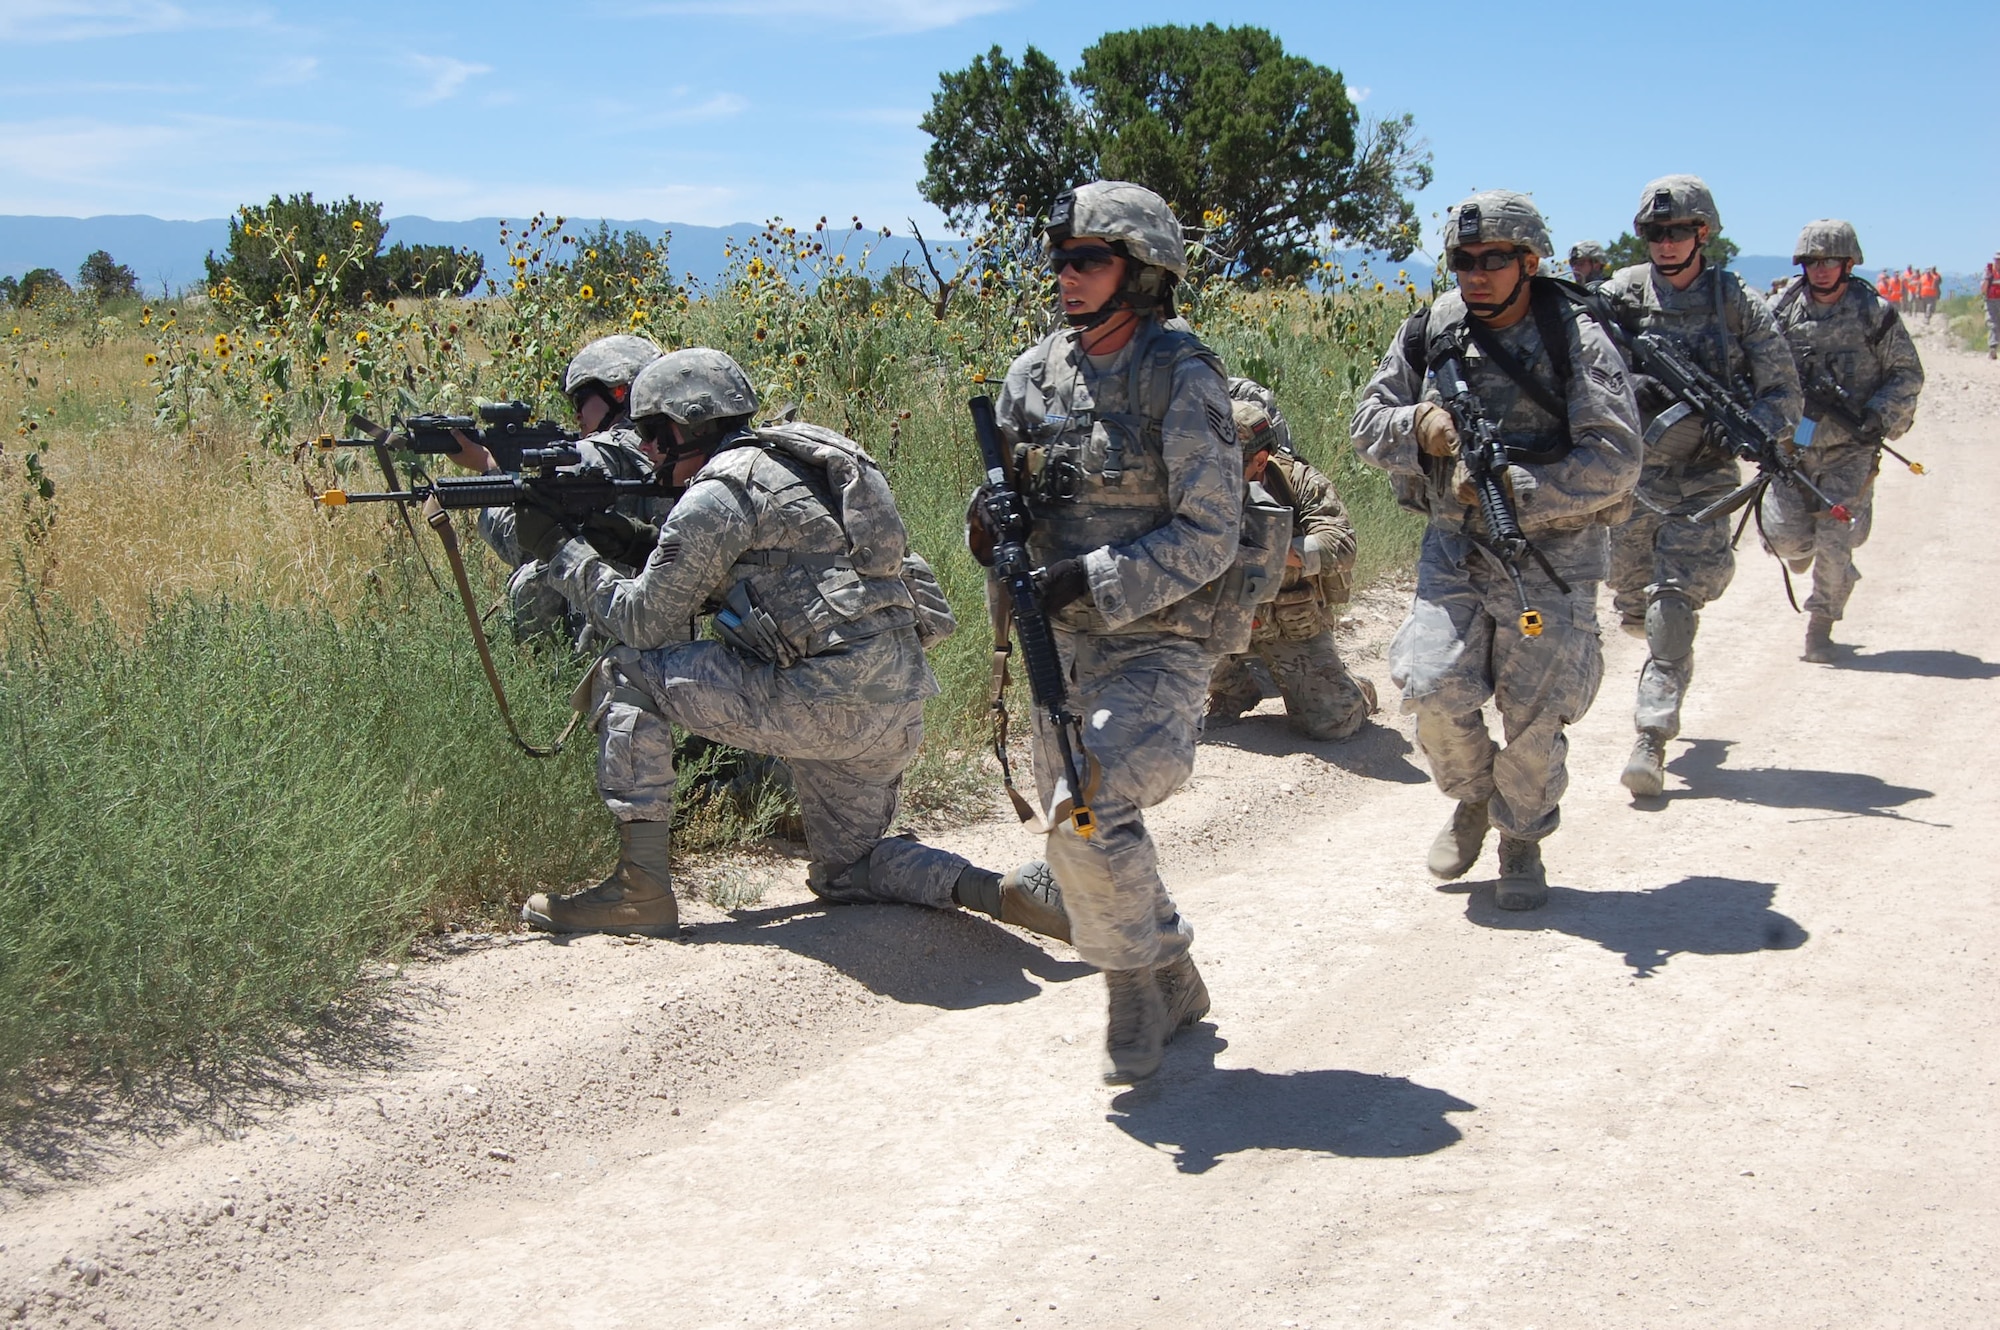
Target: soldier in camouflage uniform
{"points": [[1589, 265], [1125, 452], [1293, 635], [1838, 326], [1664, 568], [790, 537], [1552, 382], [598, 384]]}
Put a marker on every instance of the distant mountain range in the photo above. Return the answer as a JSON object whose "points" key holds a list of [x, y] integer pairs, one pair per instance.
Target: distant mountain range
{"points": [[167, 256]]}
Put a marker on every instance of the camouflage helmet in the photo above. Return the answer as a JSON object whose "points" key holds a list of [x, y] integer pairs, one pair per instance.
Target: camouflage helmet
{"points": [[612, 361], [1827, 238], [693, 387], [1676, 198], [1589, 251], [1130, 214], [1497, 214], [1254, 432]]}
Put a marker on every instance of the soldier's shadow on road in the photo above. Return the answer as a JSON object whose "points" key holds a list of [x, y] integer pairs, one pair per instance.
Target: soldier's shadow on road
{"points": [[934, 958], [1379, 752], [1700, 916], [1200, 1113], [1930, 664], [1842, 793]]}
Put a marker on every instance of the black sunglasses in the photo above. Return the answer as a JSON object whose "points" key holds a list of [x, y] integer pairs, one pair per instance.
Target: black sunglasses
{"points": [[1493, 260], [1664, 233], [1083, 258]]}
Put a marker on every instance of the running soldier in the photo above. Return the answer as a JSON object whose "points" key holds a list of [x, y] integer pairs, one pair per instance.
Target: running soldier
{"points": [[788, 535], [1664, 568], [1840, 328], [1553, 384], [1125, 452], [1293, 635]]}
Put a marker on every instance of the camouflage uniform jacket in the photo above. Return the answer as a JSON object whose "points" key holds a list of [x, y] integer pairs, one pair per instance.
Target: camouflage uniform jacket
{"points": [[1729, 330], [617, 451], [1323, 540], [757, 519], [1860, 341], [1153, 507], [1563, 506]]}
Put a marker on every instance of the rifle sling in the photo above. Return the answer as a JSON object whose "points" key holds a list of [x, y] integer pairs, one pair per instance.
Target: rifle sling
{"points": [[440, 522], [1001, 611]]}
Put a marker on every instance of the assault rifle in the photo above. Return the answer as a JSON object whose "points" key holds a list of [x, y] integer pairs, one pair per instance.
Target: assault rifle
{"points": [[1827, 397], [1744, 435], [505, 429], [1007, 513], [1484, 457], [548, 478]]}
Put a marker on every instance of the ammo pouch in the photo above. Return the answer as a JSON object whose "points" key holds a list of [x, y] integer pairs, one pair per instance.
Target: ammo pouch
{"points": [[1256, 575], [748, 629], [935, 621]]}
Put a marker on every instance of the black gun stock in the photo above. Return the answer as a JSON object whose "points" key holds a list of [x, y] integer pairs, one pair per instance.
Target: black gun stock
{"points": [[1008, 515]]}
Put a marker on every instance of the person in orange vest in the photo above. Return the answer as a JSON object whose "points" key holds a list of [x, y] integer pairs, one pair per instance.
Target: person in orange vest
{"points": [[1990, 288], [1909, 285], [1927, 293], [1891, 286]]}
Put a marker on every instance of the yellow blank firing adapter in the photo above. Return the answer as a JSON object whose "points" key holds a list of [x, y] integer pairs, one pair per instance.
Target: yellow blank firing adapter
{"points": [[1531, 623], [1083, 821], [1916, 468], [324, 442], [338, 499]]}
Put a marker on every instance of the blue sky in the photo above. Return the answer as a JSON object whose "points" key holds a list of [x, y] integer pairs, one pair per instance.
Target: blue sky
{"points": [[713, 112]]}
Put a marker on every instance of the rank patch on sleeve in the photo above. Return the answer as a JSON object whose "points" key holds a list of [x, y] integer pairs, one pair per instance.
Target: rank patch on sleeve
{"points": [[1611, 380]]}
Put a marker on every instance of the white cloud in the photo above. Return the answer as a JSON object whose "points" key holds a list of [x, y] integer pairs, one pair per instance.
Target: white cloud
{"points": [[719, 107], [294, 69], [446, 74], [87, 20], [881, 16]]}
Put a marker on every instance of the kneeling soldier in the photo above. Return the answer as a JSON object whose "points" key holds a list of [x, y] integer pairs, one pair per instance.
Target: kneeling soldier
{"points": [[788, 535]]}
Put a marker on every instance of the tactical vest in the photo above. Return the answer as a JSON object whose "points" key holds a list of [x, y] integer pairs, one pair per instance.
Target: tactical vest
{"points": [[1095, 474], [835, 575], [1554, 306]]}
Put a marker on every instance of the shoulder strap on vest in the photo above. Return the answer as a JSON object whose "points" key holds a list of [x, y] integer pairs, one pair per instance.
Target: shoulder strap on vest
{"points": [[1158, 360], [1415, 339]]}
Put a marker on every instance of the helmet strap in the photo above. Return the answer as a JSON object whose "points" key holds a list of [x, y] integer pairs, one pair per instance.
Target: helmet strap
{"points": [[1676, 269], [1839, 284], [1487, 311]]}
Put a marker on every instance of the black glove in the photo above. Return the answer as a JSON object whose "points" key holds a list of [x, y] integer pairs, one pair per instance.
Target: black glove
{"points": [[1872, 426], [980, 537], [1061, 583], [621, 539], [1651, 395], [537, 532]]}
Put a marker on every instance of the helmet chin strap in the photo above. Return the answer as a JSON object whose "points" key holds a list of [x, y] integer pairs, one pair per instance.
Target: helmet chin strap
{"points": [[1846, 271], [1487, 311], [1121, 302], [1676, 269]]}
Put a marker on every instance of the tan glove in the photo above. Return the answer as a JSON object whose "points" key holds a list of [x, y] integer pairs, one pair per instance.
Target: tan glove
{"points": [[1436, 435]]}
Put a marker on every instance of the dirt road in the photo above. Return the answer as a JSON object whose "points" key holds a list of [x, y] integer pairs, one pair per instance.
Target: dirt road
{"points": [[1740, 1071]]}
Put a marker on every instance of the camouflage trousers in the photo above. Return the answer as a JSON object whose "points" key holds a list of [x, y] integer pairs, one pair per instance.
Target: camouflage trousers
{"points": [[1796, 529], [1140, 696], [1322, 700], [1992, 323], [846, 761], [1657, 545], [1462, 645]]}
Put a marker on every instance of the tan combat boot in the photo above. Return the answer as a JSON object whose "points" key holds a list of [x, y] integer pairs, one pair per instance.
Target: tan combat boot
{"points": [[1457, 847], [1026, 898], [635, 899], [1819, 640], [1646, 771], [1137, 1030], [1524, 883], [1182, 993]]}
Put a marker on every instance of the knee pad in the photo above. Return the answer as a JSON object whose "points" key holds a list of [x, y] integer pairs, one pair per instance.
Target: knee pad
{"points": [[1670, 621]]}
